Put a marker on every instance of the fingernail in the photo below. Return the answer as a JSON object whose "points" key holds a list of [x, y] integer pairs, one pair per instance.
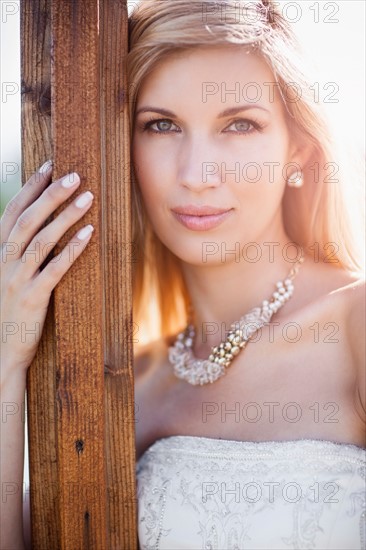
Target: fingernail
{"points": [[85, 232], [70, 180], [46, 166], [84, 199]]}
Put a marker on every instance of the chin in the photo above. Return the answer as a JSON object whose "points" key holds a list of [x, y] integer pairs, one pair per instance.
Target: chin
{"points": [[197, 261], [198, 252]]}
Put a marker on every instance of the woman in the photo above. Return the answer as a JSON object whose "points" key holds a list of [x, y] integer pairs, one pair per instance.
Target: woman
{"points": [[251, 402], [287, 413]]}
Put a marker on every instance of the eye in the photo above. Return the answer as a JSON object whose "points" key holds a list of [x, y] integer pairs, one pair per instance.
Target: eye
{"points": [[163, 126], [245, 126]]}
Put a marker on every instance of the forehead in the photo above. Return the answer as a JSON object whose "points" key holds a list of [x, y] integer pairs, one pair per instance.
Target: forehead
{"points": [[210, 75]]}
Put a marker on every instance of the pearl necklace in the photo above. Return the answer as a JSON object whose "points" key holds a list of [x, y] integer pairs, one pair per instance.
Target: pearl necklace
{"points": [[203, 371]]}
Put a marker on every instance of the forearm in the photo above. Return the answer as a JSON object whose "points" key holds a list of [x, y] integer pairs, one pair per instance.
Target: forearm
{"points": [[13, 385]]}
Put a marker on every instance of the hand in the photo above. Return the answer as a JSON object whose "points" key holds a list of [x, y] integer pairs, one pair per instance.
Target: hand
{"points": [[25, 289]]}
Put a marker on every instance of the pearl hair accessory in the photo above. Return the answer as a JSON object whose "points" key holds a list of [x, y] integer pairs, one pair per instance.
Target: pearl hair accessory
{"points": [[295, 180], [203, 371]]}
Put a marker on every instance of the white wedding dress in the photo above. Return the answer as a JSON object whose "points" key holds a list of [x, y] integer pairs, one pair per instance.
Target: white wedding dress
{"points": [[203, 493]]}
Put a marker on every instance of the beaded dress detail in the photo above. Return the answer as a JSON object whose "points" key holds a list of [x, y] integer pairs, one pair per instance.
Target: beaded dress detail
{"points": [[213, 494]]}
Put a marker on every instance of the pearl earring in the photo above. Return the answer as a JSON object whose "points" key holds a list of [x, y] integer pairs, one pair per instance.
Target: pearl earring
{"points": [[295, 180]]}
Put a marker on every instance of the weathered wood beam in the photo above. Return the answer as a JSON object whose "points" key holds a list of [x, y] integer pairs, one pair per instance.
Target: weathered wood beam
{"points": [[117, 246], [35, 33], [80, 386]]}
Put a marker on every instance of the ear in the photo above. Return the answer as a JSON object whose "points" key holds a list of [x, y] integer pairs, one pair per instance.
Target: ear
{"points": [[301, 149]]}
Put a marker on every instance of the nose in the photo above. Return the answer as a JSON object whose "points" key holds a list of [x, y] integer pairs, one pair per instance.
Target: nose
{"points": [[198, 165]]}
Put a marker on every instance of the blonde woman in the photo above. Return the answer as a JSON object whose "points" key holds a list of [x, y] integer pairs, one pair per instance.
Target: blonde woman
{"points": [[251, 395]]}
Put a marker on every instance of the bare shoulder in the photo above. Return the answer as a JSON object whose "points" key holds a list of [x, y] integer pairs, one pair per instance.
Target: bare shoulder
{"points": [[355, 311], [347, 294], [350, 300], [350, 297], [328, 286], [337, 294], [350, 286]]}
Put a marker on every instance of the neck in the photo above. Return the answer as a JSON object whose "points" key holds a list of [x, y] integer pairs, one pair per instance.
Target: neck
{"points": [[224, 292]]}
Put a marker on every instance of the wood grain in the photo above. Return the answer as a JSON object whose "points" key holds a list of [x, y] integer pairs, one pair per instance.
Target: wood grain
{"points": [[80, 385], [117, 246], [35, 32]]}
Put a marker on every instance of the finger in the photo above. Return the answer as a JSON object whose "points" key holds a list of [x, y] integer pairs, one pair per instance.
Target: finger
{"points": [[37, 213], [42, 244], [51, 275], [27, 194]]}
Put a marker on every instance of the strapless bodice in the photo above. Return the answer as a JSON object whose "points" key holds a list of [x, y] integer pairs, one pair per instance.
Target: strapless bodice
{"points": [[203, 493]]}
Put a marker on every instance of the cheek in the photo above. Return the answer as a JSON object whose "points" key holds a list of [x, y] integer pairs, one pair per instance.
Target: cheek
{"points": [[151, 174], [261, 164], [144, 163]]}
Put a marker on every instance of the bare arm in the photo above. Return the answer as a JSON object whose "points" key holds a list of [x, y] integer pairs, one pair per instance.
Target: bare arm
{"points": [[25, 294], [12, 446]]}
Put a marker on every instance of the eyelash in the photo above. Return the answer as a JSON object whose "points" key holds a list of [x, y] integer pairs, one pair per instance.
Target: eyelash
{"points": [[146, 126]]}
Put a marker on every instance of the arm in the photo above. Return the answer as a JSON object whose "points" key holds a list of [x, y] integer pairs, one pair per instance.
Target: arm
{"points": [[25, 293], [13, 385]]}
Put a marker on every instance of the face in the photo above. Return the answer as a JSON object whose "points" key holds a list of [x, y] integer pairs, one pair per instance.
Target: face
{"points": [[211, 163]]}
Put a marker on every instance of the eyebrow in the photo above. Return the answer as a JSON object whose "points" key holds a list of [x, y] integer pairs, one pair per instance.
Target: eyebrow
{"points": [[228, 112]]}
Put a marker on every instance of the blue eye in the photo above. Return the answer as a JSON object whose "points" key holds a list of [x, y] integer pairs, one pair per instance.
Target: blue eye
{"points": [[163, 125], [242, 125], [245, 126]]}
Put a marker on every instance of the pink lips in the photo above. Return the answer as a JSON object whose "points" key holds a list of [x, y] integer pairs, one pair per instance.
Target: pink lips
{"points": [[200, 218]]}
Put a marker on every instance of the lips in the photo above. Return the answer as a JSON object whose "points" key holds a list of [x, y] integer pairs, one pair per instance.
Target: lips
{"points": [[192, 210], [201, 218]]}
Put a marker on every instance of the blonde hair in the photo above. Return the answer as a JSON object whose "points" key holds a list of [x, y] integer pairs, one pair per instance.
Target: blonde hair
{"points": [[315, 214]]}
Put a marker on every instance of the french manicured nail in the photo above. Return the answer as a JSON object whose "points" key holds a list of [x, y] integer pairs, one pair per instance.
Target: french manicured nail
{"points": [[85, 232], [46, 166], [84, 199], [70, 180]]}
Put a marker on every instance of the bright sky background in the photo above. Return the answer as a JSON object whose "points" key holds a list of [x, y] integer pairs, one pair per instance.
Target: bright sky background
{"points": [[332, 32]]}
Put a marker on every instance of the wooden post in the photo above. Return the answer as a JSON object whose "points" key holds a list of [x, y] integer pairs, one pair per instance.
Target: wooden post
{"points": [[117, 246], [80, 388], [35, 28]]}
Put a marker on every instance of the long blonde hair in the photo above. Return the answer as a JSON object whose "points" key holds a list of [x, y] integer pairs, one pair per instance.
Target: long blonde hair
{"points": [[315, 215]]}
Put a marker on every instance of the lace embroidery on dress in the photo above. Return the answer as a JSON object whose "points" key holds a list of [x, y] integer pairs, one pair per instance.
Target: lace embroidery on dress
{"points": [[154, 515], [219, 494], [358, 506]]}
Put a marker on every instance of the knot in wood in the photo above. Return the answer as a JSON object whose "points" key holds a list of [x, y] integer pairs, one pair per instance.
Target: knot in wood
{"points": [[79, 445]]}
